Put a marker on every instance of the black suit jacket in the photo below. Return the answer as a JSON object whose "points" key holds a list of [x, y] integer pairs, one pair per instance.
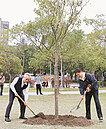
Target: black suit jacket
{"points": [[89, 79]]}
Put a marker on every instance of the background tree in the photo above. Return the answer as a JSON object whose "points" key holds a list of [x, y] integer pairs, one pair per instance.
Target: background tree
{"points": [[18, 37], [96, 45], [9, 62]]}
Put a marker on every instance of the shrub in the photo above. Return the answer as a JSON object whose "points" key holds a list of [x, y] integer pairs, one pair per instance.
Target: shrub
{"points": [[104, 83], [99, 83], [75, 81]]}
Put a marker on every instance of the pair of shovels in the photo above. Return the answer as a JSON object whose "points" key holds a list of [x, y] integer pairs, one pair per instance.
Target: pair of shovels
{"points": [[27, 106]]}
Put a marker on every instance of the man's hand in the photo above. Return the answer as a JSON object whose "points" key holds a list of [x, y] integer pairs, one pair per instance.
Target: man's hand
{"points": [[16, 95], [25, 103], [87, 89], [1, 83], [82, 97], [89, 85], [21, 99]]}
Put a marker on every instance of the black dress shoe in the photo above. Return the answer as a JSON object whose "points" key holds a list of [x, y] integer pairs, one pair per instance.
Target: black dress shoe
{"points": [[88, 118], [101, 118], [41, 94], [7, 119], [22, 117]]}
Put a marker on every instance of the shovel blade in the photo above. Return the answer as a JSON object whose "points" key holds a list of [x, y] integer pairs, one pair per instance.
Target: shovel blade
{"points": [[36, 116], [74, 109]]}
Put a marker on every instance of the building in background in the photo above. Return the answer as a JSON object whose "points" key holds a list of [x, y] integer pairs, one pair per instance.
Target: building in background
{"points": [[4, 26]]}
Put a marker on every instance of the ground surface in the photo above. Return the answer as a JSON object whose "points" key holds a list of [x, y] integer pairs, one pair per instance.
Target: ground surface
{"points": [[46, 104], [65, 120]]}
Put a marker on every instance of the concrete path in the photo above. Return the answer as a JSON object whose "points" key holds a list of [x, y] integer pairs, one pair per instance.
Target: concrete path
{"points": [[72, 85], [75, 85], [61, 92]]}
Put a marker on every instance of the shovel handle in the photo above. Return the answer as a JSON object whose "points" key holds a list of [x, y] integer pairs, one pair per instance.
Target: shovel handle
{"points": [[80, 100], [20, 98], [26, 104], [84, 93], [83, 96]]}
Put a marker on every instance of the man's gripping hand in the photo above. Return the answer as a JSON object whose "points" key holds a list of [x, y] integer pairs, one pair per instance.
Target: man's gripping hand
{"points": [[87, 89]]}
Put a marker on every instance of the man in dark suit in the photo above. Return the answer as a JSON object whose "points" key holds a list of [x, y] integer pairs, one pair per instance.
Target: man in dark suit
{"points": [[16, 89], [86, 79]]}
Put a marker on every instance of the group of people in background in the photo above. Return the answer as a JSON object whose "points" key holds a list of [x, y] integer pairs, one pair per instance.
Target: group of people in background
{"points": [[22, 83], [45, 84]]}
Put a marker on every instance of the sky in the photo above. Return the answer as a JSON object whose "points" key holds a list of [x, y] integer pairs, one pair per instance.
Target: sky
{"points": [[16, 11]]}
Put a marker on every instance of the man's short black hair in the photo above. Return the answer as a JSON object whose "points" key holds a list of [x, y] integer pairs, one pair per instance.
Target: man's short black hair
{"points": [[78, 70]]}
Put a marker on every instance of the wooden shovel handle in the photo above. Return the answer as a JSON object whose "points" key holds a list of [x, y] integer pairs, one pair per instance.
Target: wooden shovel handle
{"points": [[26, 105], [22, 101]]}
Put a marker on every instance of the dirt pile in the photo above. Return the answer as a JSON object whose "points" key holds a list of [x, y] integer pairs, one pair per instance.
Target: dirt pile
{"points": [[41, 114], [65, 120]]}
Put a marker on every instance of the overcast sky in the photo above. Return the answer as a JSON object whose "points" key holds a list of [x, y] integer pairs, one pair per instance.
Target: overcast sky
{"points": [[16, 11]]}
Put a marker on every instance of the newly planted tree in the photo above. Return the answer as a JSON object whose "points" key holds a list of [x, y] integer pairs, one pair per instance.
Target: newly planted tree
{"points": [[55, 18]]}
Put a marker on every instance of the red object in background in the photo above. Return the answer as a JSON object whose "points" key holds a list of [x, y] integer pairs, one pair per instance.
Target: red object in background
{"points": [[32, 82], [71, 80]]}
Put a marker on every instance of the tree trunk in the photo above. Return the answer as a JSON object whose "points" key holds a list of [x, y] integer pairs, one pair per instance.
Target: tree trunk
{"points": [[102, 80], [63, 73], [22, 61], [22, 69], [40, 70], [10, 79], [56, 84]]}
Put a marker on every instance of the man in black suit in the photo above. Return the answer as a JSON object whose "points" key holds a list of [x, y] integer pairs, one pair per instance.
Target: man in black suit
{"points": [[16, 88], [86, 79]]}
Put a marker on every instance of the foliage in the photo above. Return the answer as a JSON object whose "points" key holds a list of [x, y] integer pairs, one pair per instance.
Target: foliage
{"points": [[99, 83], [48, 31], [9, 62], [95, 44], [55, 19]]}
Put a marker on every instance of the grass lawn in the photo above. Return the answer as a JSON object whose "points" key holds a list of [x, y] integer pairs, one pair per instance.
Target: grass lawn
{"points": [[46, 104]]}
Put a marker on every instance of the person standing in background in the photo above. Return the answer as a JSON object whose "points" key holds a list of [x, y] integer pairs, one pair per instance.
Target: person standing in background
{"points": [[2, 80], [38, 85]]}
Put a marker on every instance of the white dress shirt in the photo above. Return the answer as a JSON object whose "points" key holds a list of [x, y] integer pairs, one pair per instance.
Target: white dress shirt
{"points": [[83, 77], [38, 80]]}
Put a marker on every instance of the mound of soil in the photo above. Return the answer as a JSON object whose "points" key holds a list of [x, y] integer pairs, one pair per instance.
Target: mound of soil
{"points": [[65, 120]]}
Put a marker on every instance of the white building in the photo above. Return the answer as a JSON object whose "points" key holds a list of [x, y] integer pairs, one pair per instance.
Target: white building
{"points": [[4, 26]]}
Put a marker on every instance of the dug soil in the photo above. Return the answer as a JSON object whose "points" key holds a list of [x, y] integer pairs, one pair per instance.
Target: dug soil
{"points": [[65, 120]]}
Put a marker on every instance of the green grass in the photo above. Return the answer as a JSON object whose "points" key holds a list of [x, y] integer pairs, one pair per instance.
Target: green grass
{"points": [[46, 104]]}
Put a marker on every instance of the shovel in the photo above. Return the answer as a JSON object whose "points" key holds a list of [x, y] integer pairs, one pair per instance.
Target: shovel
{"points": [[27, 106], [76, 107]]}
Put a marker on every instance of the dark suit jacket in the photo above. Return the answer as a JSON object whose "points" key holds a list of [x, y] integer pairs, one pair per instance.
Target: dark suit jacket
{"points": [[89, 79]]}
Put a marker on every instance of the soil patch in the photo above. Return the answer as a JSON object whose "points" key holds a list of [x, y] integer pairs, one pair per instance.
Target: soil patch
{"points": [[65, 120]]}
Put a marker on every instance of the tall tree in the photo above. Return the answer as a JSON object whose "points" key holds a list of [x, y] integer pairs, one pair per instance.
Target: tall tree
{"points": [[17, 36], [96, 42], [9, 62], [55, 18]]}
